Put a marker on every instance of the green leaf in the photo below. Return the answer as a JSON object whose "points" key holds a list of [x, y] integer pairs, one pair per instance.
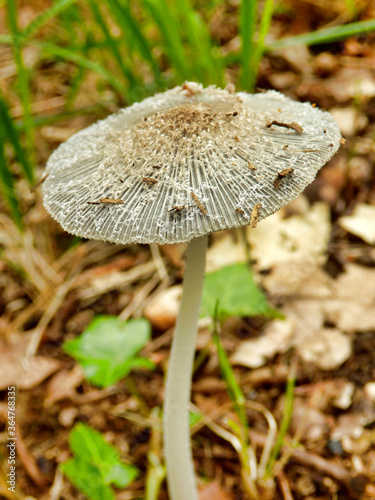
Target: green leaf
{"points": [[107, 350], [236, 293], [13, 136], [96, 464], [43, 18], [83, 61], [195, 417], [131, 30], [87, 479], [327, 35], [7, 181]]}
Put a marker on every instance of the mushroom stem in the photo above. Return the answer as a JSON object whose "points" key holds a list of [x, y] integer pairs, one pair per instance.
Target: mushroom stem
{"points": [[177, 449]]}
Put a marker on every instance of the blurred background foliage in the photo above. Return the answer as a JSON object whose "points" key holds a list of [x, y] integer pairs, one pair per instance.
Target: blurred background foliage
{"points": [[67, 59]]}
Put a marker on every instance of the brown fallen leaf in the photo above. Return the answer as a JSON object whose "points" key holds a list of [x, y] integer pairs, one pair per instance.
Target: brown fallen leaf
{"points": [[361, 222], [162, 310], [25, 373], [30, 463], [63, 385], [213, 491]]}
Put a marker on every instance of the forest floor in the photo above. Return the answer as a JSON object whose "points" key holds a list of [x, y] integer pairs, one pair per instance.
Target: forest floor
{"points": [[317, 268]]}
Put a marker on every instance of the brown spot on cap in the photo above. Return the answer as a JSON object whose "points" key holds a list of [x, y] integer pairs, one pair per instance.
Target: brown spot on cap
{"points": [[199, 204], [255, 215], [281, 176], [107, 201], [251, 166], [292, 125], [34, 188], [149, 181]]}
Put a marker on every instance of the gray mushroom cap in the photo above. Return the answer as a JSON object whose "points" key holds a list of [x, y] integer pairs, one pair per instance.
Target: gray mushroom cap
{"points": [[187, 162]]}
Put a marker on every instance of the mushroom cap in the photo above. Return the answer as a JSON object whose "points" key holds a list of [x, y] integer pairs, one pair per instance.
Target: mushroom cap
{"points": [[187, 162]]}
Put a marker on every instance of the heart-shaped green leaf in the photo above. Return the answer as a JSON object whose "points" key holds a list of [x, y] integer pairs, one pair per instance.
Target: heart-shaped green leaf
{"points": [[107, 350]]}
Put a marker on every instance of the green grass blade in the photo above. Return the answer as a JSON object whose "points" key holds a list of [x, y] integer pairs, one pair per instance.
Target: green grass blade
{"points": [[5, 39], [23, 76], [41, 121], [170, 31], [43, 18], [287, 416], [74, 86], [207, 65], [111, 43], [130, 27], [12, 133], [233, 388], [264, 27], [352, 8], [80, 60], [7, 185], [248, 17], [327, 35]]}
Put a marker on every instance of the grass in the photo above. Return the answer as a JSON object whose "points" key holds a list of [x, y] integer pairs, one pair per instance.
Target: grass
{"points": [[133, 52], [253, 473]]}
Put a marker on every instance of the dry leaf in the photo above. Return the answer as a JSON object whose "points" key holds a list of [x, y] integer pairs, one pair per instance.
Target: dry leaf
{"points": [[347, 302], [255, 352], [361, 222], [309, 422], [25, 373], [225, 251], [352, 306], [350, 120], [63, 385], [370, 391], [328, 348], [213, 491], [291, 248], [163, 309]]}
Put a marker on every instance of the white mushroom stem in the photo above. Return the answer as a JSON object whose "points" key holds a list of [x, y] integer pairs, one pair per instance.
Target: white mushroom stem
{"points": [[177, 448]]}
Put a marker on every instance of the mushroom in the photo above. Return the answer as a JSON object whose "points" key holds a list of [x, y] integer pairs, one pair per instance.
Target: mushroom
{"points": [[175, 168]]}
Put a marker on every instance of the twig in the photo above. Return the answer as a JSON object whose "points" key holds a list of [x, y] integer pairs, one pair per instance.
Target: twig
{"points": [[29, 463], [54, 305], [58, 484], [139, 297], [355, 483], [284, 486]]}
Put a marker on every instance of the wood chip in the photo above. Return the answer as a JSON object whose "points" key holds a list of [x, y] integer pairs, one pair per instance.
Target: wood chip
{"points": [[34, 188], [292, 125], [230, 88], [200, 206], [255, 215], [251, 166], [190, 91], [281, 176], [177, 208], [107, 201], [149, 181]]}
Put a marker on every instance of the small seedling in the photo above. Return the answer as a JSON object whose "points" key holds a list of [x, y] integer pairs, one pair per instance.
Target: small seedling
{"points": [[96, 465], [234, 289], [108, 349]]}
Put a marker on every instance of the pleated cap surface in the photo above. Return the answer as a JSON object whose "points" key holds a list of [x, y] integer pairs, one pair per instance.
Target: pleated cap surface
{"points": [[187, 162]]}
